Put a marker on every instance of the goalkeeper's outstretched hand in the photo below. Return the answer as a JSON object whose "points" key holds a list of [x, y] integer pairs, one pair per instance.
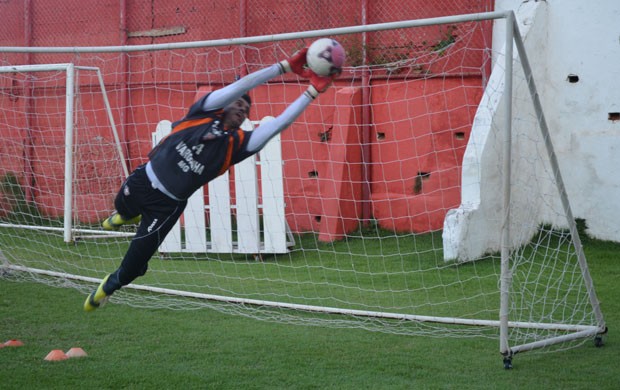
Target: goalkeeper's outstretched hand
{"points": [[318, 84], [296, 63]]}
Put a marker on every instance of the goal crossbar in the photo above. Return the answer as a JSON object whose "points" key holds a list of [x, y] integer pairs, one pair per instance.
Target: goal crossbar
{"points": [[474, 17]]}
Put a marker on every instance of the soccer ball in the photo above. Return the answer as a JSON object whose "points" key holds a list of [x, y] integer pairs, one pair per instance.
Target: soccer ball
{"points": [[325, 57]]}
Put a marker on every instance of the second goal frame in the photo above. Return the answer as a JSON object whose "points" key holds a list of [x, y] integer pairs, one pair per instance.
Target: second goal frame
{"points": [[70, 70]]}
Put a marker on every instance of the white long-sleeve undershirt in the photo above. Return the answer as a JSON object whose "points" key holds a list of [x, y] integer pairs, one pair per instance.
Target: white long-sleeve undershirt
{"points": [[222, 97], [266, 131], [269, 129]]}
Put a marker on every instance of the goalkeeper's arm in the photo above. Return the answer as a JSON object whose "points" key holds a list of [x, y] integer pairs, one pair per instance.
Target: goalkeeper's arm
{"points": [[223, 97], [266, 131]]}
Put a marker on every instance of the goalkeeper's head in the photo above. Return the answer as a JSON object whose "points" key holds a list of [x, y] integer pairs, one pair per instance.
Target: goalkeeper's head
{"points": [[237, 112], [247, 98]]}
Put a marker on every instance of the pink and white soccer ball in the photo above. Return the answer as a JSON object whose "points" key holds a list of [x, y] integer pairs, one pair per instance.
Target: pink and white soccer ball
{"points": [[325, 57]]}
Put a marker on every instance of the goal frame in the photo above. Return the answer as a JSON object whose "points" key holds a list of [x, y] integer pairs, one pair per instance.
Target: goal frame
{"points": [[70, 70], [512, 37]]}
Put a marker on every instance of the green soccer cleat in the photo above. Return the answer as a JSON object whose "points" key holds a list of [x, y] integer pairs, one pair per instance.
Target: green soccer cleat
{"points": [[96, 298], [115, 221]]}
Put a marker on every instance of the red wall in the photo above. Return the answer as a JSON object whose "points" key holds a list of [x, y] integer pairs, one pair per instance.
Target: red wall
{"points": [[418, 149], [419, 115]]}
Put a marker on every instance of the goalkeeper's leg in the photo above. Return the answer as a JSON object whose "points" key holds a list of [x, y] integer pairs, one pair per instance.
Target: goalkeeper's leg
{"points": [[148, 238], [160, 213], [127, 202], [116, 220]]}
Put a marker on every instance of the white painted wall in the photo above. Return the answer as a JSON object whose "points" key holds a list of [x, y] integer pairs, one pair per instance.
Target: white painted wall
{"points": [[562, 37], [584, 39]]}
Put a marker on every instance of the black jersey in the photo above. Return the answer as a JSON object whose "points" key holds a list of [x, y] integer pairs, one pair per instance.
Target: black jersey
{"points": [[197, 151]]}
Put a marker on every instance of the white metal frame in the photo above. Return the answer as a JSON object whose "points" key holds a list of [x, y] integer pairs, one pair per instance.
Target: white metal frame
{"points": [[512, 37], [70, 70]]}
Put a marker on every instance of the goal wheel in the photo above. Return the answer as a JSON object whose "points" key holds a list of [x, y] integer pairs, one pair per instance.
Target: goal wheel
{"points": [[598, 341], [508, 363]]}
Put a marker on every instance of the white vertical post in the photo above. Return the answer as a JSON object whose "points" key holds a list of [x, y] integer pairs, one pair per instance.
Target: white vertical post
{"points": [[505, 277], [108, 109], [246, 190], [69, 112], [220, 225], [272, 187], [195, 223]]}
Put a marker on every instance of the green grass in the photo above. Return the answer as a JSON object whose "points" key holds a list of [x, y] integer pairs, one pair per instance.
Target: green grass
{"points": [[353, 271], [137, 348]]}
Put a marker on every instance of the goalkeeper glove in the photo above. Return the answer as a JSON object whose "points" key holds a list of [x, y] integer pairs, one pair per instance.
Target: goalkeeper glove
{"points": [[296, 63], [318, 84]]}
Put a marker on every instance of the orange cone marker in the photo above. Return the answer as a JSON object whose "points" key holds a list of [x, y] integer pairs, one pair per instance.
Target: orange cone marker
{"points": [[76, 352], [13, 343], [56, 355]]}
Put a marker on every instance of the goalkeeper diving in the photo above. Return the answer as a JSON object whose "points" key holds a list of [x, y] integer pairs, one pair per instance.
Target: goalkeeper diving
{"points": [[201, 147]]}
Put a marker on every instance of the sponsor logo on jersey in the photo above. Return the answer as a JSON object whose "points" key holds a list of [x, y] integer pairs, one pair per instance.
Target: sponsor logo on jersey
{"points": [[188, 163]]}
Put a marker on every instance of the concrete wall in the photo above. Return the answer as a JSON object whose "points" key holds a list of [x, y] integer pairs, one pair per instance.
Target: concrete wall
{"points": [[580, 39], [564, 40], [584, 40]]}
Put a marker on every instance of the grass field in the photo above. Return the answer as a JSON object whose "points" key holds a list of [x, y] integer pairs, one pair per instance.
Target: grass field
{"points": [[131, 348]]}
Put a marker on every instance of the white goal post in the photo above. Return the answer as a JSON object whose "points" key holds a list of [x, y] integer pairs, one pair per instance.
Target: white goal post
{"points": [[69, 72], [374, 181]]}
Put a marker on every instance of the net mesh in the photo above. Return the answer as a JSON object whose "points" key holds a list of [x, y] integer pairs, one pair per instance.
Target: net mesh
{"points": [[371, 169]]}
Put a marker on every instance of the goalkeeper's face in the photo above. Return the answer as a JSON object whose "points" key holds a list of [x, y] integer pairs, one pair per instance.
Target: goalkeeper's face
{"points": [[235, 113]]}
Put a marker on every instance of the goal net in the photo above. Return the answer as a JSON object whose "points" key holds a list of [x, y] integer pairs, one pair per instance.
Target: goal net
{"points": [[419, 195]]}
